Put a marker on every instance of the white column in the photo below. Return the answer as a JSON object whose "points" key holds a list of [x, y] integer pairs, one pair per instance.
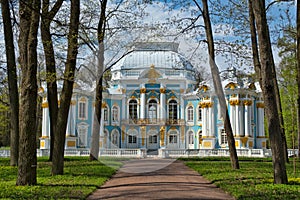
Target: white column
{"points": [[123, 107], [210, 121], [248, 104], [143, 102], [241, 120], [260, 119], [237, 124], [162, 103], [45, 122], [232, 118], [182, 113], [204, 124], [247, 120]]}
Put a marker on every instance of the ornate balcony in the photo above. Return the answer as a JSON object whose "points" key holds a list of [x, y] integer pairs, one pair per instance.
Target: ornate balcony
{"points": [[153, 121]]}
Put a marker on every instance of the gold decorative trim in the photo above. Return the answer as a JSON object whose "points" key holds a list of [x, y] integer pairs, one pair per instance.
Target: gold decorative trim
{"points": [[234, 102], [231, 85], [204, 88], [260, 105], [45, 105], [73, 102], [208, 104], [162, 90], [103, 105], [247, 102], [143, 90]]}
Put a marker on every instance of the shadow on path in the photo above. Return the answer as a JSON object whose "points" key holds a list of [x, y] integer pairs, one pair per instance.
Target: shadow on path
{"points": [[158, 179]]}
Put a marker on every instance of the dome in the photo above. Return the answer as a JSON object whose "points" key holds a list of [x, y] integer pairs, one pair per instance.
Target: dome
{"points": [[163, 55]]}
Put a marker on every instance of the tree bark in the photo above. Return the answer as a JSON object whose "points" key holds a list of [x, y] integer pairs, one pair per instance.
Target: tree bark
{"points": [[66, 94], [298, 71], [269, 93], [29, 23], [46, 19], [218, 86], [94, 153], [257, 68], [12, 83]]}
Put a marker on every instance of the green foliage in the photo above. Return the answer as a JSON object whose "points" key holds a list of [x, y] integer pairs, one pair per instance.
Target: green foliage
{"points": [[80, 179], [253, 181], [287, 74]]}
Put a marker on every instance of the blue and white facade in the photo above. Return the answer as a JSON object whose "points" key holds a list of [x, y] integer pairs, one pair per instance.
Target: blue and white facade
{"points": [[153, 102]]}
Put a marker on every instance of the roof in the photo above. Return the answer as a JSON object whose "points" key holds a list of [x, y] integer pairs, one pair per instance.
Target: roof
{"points": [[162, 55]]}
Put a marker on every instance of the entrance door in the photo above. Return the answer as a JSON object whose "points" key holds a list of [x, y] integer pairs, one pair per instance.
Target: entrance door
{"points": [[152, 140]]}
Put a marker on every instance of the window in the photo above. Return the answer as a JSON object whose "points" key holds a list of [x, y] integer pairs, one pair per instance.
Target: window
{"points": [[173, 138], [173, 110], [133, 110], [200, 134], [152, 109], [223, 137], [190, 113], [132, 139], [199, 113], [191, 137], [105, 114], [82, 110], [153, 139], [114, 138], [82, 135], [115, 114]]}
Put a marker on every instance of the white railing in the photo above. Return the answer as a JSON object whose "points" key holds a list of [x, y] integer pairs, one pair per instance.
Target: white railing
{"points": [[5, 153], [162, 153], [175, 153], [136, 153]]}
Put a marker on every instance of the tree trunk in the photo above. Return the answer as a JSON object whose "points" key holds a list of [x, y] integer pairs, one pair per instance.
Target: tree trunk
{"points": [[47, 18], [12, 83], [66, 94], [298, 71], [99, 88], [269, 93], [29, 23], [218, 86], [257, 68]]}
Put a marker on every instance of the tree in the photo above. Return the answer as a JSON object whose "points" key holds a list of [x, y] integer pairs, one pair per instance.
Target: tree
{"points": [[298, 71], [12, 83], [268, 88], [217, 83], [66, 94], [99, 88], [29, 23], [46, 19]]}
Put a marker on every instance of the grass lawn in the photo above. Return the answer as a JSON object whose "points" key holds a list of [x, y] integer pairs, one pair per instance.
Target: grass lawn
{"points": [[81, 177], [254, 179]]}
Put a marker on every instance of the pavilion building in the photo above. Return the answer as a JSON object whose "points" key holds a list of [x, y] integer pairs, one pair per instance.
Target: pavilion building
{"points": [[153, 101]]}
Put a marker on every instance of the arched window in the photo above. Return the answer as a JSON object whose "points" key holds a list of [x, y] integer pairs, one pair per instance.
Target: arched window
{"points": [[199, 113], [152, 110], [173, 110], [191, 137], [115, 114], [223, 137], [105, 114], [190, 113], [114, 139], [173, 137], [82, 108], [82, 130], [132, 138], [133, 110]]}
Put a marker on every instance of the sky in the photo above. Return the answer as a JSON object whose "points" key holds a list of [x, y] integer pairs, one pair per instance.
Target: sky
{"points": [[160, 13]]}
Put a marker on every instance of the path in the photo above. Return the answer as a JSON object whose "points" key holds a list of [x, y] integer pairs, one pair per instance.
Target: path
{"points": [[139, 179]]}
